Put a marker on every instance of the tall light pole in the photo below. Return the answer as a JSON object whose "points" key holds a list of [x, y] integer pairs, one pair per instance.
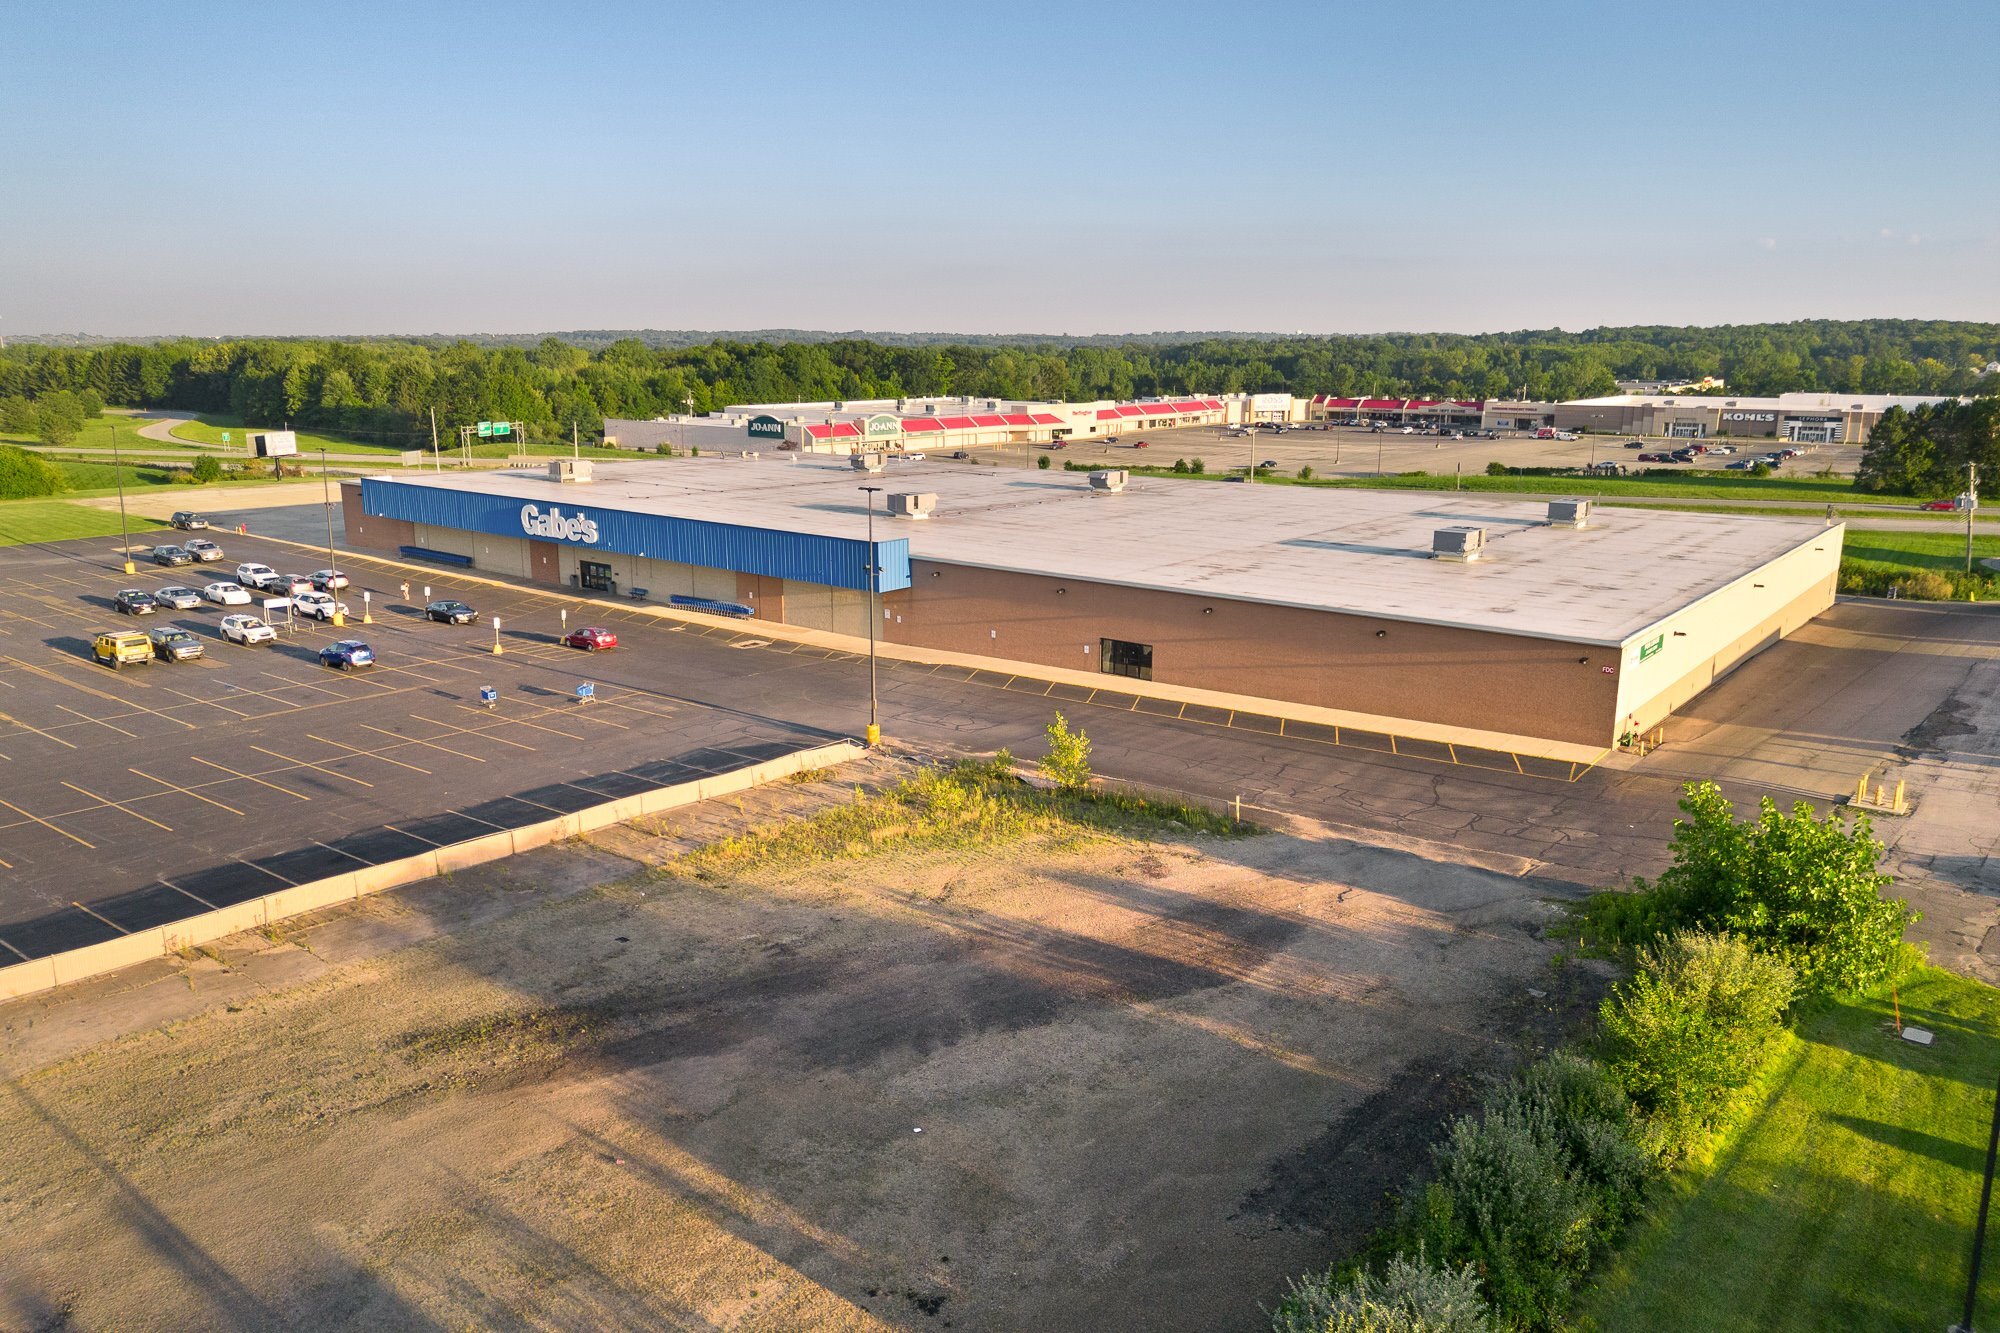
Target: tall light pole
{"points": [[124, 531], [874, 723], [1971, 508], [333, 567]]}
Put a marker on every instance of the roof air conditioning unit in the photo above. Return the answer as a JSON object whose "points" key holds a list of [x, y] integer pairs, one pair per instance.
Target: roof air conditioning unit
{"points": [[910, 504], [865, 462], [1458, 543], [1111, 479], [1569, 513], [569, 469]]}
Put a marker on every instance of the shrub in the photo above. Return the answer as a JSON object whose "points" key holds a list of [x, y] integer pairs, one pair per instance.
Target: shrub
{"points": [[1196, 466], [17, 415], [663, 449], [1042, 462], [207, 470], [1180, 465], [1306, 473], [1507, 1202], [1586, 1111], [1067, 763], [1411, 1296], [24, 474], [1804, 889], [1689, 1031], [1496, 469], [1760, 469], [91, 402]]}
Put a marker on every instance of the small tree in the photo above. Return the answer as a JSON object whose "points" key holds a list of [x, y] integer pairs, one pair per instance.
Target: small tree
{"points": [[1496, 469], [1067, 763], [1196, 466], [207, 470], [1042, 462], [1306, 473]]}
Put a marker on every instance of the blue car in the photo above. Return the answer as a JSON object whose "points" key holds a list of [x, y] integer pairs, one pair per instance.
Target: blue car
{"points": [[347, 655]]}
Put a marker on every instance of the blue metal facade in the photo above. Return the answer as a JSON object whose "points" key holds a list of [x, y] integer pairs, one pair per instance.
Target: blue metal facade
{"points": [[838, 562]]}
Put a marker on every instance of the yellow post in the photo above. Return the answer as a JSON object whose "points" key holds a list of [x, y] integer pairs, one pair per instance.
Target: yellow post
{"points": [[339, 619], [1900, 807], [1861, 790], [874, 736], [1878, 795]]}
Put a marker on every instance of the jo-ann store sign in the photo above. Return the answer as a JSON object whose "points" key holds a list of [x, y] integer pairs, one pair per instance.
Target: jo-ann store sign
{"points": [[765, 428], [883, 424]]}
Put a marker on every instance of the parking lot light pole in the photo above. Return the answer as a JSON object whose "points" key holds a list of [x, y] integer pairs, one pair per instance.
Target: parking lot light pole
{"points": [[874, 721], [124, 532], [339, 617], [496, 636]]}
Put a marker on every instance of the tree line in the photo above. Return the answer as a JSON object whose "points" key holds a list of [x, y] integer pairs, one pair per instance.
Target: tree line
{"points": [[387, 389], [1926, 451]]}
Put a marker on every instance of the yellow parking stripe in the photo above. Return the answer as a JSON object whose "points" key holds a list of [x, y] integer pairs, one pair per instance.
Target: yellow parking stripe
{"points": [[185, 791], [307, 763], [117, 805], [250, 777], [367, 754], [47, 825]]}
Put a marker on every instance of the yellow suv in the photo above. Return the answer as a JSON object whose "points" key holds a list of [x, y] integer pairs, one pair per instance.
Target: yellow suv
{"points": [[116, 647]]}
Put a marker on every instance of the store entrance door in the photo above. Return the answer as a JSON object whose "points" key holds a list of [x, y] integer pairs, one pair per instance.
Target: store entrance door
{"points": [[595, 576]]}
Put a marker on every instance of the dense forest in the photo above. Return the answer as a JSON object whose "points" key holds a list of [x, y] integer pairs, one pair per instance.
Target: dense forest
{"points": [[386, 388], [1926, 452]]}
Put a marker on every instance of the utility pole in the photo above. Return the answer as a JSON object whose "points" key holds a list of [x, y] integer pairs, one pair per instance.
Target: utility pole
{"points": [[575, 449], [326, 499], [1971, 508], [874, 723], [437, 464], [124, 531]]}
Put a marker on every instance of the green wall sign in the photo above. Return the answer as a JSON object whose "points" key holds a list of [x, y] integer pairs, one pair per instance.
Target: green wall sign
{"points": [[765, 428], [1652, 646], [883, 424]]}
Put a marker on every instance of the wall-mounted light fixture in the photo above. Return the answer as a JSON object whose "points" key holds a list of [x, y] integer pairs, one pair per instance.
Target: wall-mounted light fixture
{"points": [[1208, 610], [1381, 634], [1583, 661], [1061, 591]]}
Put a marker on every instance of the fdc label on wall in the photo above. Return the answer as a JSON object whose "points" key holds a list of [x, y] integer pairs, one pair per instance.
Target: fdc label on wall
{"points": [[553, 522]]}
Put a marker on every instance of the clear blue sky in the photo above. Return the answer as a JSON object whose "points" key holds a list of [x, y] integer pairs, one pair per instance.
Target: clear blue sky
{"points": [[363, 167]]}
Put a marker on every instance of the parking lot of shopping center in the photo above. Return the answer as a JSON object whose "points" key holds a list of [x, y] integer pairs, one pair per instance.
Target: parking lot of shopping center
{"points": [[139, 796]]}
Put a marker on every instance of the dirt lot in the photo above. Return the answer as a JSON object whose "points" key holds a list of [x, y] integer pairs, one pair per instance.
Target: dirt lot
{"points": [[1082, 1082]]}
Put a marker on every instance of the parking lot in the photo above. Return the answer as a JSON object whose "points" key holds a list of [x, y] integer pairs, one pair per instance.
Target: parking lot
{"points": [[134, 797], [1345, 452]]}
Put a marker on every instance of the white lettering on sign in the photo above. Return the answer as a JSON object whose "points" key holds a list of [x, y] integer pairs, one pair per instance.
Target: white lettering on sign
{"points": [[1749, 416], [553, 522]]}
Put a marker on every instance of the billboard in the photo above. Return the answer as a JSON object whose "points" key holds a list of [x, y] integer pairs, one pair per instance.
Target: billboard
{"points": [[274, 443]]}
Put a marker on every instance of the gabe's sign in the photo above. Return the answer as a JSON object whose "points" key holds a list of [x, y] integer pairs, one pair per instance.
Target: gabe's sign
{"points": [[553, 522]]}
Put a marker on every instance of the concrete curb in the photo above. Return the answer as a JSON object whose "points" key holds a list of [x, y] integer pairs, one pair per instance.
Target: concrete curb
{"points": [[93, 960]]}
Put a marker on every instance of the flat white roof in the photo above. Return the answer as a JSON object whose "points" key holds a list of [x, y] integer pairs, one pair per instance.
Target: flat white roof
{"points": [[1366, 552], [1816, 401]]}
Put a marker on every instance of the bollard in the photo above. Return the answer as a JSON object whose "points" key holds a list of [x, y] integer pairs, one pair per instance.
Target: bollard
{"points": [[1861, 790], [367, 616], [874, 734], [1901, 808], [496, 636]]}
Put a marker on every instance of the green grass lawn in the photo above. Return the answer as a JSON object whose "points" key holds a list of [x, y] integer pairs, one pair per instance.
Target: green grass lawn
{"points": [[210, 428], [97, 435], [1847, 1200], [53, 521], [1943, 551]]}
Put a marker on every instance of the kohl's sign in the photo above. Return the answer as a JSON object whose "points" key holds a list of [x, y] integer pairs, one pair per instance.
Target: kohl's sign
{"points": [[1749, 416], [554, 523]]}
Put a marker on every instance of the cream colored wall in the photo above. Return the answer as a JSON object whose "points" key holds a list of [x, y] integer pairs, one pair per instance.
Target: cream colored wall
{"points": [[455, 540], [660, 578], [836, 610], [1703, 642]]}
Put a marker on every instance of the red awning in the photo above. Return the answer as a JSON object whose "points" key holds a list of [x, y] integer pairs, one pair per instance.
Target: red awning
{"points": [[1018, 419], [1187, 407], [988, 421], [957, 423], [1343, 402], [1130, 410], [915, 425], [839, 430], [1382, 404], [1107, 414], [1421, 402], [1470, 402], [1047, 419], [1212, 404]]}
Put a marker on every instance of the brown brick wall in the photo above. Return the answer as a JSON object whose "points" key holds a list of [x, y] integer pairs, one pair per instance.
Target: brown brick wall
{"points": [[1466, 678], [369, 533]]}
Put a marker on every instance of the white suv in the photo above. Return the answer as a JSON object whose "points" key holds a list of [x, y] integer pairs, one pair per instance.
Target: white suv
{"points": [[318, 605], [256, 576], [247, 630]]}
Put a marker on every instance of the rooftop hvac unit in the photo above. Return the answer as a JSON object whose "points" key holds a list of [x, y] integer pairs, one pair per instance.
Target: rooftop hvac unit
{"points": [[911, 504], [569, 469], [1112, 479], [1569, 513], [1458, 543], [865, 462]]}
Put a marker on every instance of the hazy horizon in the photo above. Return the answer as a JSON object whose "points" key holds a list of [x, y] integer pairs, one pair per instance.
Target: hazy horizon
{"points": [[386, 170]]}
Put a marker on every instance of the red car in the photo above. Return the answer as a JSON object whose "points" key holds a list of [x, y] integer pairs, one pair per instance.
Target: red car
{"points": [[1946, 505], [590, 638], [1141, 444]]}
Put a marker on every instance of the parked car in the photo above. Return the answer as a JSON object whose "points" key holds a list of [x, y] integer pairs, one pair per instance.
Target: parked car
{"points": [[328, 580], [960, 453], [590, 638], [913, 457], [226, 594], [1635, 444], [115, 648], [1720, 449], [247, 630], [1657, 458], [318, 605], [171, 555], [347, 655], [1268, 463], [188, 521], [1064, 444], [135, 602], [1740, 465], [253, 575], [177, 597], [171, 643], [289, 585], [448, 612], [1138, 444], [1409, 430], [202, 549]]}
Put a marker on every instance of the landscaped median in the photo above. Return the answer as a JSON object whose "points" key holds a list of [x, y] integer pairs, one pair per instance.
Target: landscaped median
{"points": [[139, 946]]}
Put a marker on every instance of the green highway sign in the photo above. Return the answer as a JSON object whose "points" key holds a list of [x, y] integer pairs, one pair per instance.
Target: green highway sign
{"points": [[485, 429], [225, 437], [503, 428]]}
